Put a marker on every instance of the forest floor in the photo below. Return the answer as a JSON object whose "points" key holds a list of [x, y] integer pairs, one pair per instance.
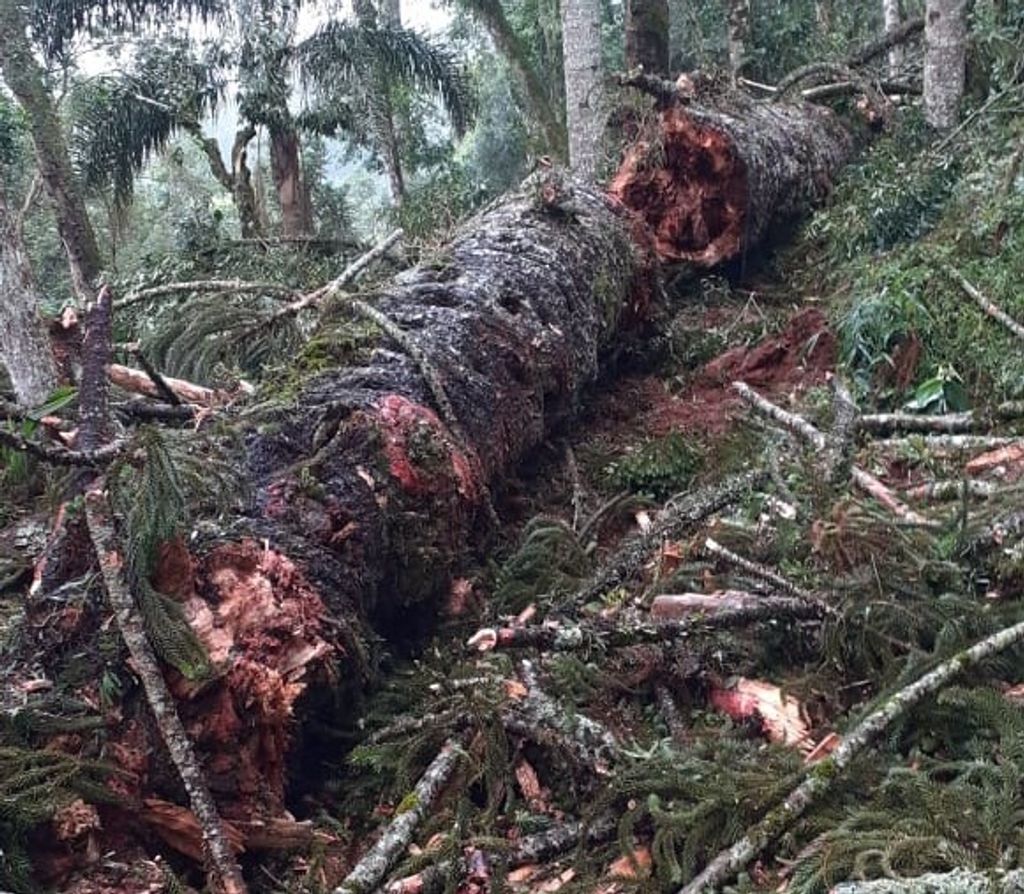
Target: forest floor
{"points": [[712, 589]]}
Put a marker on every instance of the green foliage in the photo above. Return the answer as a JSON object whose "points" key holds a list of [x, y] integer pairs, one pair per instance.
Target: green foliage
{"points": [[34, 784], [153, 502], [695, 801], [340, 54], [960, 806], [658, 468], [121, 120], [550, 561], [899, 216]]}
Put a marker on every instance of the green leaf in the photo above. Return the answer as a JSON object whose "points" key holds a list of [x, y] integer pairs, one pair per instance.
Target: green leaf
{"points": [[56, 401]]}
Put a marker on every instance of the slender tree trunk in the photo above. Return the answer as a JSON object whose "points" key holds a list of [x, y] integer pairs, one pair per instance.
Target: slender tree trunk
{"points": [[491, 15], [647, 26], [584, 84], [24, 346], [945, 39], [26, 79], [286, 168], [893, 18], [242, 191], [739, 34]]}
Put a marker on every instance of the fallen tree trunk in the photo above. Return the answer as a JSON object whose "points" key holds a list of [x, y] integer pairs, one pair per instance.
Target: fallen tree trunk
{"points": [[713, 179]]}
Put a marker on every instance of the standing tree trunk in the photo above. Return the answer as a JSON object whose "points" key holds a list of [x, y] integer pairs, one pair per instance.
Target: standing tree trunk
{"points": [[286, 168], [892, 17], [237, 180], [584, 84], [24, 346], [945, 56], [739, 34], [491, 15], [647, 27], [26, 79]]}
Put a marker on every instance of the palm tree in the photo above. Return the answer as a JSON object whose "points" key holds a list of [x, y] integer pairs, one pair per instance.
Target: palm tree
{"points": [[347, 70]]}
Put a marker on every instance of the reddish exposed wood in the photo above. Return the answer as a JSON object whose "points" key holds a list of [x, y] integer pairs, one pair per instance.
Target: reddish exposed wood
{"points": [[710, 180]]}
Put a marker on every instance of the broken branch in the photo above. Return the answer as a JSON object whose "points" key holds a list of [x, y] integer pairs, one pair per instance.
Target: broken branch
{"points": [[372, 869], [989, 307], [817, 784]]}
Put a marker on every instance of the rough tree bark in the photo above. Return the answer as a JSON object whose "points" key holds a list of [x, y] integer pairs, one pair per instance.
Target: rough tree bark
{"points": [[26, 79], [712, 180], [945, 57], [585, 107], [24, 345], [292, 191], [647, 29], [491, 15]]}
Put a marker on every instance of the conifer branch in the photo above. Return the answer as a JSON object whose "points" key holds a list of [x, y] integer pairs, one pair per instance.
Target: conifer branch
{"points": [[821, 779], [225, 875]]}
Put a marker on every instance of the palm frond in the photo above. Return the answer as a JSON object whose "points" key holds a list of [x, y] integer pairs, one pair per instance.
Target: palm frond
{"points": [[339, 53], [120, 120], [55, 23]]}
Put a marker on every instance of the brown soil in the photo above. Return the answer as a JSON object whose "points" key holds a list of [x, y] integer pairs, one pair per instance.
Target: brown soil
{"points": [[796, 359]]}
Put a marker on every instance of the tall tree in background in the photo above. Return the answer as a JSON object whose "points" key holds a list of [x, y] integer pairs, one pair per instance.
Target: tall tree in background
{"points": [[647, 27], [24, 347], [491, 15], [892, 16], [584, 84], [26, 79], [738, 34], [945, 56]]}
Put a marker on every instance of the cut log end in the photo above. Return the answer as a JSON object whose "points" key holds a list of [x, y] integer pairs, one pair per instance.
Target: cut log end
{"points": [[710, 181], [690, 187]]}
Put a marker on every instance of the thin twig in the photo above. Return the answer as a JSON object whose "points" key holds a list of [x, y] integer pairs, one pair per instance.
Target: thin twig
{"points": [[758, 571], [238, 286], [820, 781]]}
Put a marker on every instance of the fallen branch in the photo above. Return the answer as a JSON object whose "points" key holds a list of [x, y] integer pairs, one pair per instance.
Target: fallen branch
{"points": [[541, 719], [536, 848], [959, 881], [673, 606], [138, 381], [801, 427], [349, 275], [226, 877], [946, 443], [874, 488], [237, 286], [953, 489], [675, 520], [376, 863], [62, 456], [818, 783], [575, 637], [1010, 454], [947, 423], [790, 421], [989, 307]]}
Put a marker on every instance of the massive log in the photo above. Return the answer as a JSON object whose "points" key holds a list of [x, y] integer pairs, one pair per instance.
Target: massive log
{"points": [[718, 173], [370, 466]]}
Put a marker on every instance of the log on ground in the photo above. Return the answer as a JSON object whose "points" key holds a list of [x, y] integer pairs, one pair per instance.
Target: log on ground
{"points": [[714, 176]]}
